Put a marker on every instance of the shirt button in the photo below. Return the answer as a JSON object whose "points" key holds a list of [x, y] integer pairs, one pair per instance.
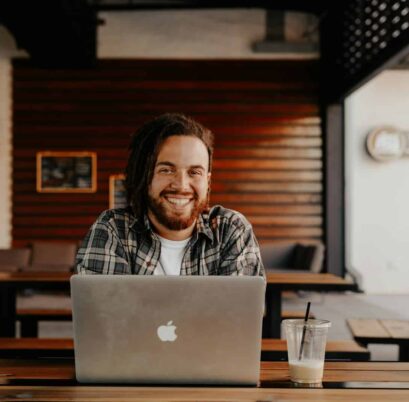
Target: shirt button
{"points": [[149, 264]]}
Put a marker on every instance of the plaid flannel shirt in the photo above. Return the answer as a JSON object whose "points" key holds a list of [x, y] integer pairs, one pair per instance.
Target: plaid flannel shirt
{"points": [[222, 244]]}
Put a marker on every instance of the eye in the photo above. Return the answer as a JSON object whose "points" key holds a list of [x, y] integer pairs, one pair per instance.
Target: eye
{"points": [[165, 170], [195, 172]]}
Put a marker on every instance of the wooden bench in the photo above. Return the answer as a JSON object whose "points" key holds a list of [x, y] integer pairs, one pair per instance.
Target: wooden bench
{"points": [[36, 347], [272, 349], [366, 331], [276, 349], [295, 314], [29, 319]]}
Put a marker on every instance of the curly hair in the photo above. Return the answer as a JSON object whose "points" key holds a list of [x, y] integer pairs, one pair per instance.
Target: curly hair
{"points": [[144, 150]]}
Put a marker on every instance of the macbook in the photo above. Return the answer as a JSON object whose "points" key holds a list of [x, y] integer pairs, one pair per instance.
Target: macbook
{"points": [[167, 329]]}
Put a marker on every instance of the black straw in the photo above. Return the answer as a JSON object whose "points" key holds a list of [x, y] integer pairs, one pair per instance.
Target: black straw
{"points": [[307, 313]]}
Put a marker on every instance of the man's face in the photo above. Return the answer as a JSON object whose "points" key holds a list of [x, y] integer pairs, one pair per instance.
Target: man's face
{"points": [[179, 188]]}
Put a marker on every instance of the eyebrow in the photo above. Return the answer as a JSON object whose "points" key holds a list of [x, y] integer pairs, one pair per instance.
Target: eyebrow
{"points": [[166, 163]]}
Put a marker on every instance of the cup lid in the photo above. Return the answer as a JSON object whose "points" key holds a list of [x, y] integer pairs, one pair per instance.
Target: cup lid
{"points": [[311, 323]]}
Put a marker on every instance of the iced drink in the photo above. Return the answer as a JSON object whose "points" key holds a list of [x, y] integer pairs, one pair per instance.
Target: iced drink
{"points": [[306, 371], [306, 354]]}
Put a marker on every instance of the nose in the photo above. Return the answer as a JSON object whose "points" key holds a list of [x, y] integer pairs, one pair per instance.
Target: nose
{"points": [[181, 181]]}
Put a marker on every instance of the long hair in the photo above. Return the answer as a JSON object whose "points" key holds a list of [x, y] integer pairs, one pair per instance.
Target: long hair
{"points": [[144, 149]]}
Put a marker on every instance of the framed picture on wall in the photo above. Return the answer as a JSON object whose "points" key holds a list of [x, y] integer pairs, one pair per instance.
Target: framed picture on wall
{"points": [[117, 192], [69, 172]]}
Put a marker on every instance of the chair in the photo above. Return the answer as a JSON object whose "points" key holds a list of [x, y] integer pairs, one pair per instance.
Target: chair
{"points": [[11, 260], [52, 256], [285, 255]]}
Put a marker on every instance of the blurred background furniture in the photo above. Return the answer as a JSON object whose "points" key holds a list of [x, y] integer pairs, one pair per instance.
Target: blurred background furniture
{"points": [[12, 260], [395, 332], [288, 255], [41, 256], [51, 257]]}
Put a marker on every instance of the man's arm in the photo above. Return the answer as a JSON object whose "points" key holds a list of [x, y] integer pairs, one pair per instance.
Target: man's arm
{"points": [[241, 254], [102, 252]]}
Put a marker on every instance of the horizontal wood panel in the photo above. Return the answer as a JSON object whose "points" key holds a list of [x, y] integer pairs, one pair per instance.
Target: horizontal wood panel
{"points": [[98, 85], [263, 164], [27, 176], [264, 115], [213, 121], [60, 220], [270, 153], [39, 210], [251, 164], [86, 99], [217, 186], [266, 187], [136, 70], [244, 106], [99, 198], [285, 220], [220, 153], [287, 232], [65, 233], [105, 144], [264, 199], [87, 210], [270, 134]]}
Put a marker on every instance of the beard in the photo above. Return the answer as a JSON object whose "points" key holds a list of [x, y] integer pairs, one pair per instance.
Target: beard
{"points": [[171, 219]]}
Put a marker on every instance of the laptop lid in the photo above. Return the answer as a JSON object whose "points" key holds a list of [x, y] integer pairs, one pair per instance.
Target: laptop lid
{"points": [[168, 330]]}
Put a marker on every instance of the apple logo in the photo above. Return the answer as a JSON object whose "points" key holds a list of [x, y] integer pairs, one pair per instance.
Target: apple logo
{"points": [[166, 333]]}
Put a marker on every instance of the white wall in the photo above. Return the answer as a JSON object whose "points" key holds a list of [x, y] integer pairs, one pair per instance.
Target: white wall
{"points": [[194, 34], [7, 51], [377, 193]]}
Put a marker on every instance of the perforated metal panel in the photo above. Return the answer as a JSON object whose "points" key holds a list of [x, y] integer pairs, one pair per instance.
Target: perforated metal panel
{"points": [[364, 35]]}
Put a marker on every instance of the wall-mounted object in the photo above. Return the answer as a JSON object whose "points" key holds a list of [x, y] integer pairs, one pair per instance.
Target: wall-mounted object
{"points": [[117, 192], [69, 172], [387, 143]]}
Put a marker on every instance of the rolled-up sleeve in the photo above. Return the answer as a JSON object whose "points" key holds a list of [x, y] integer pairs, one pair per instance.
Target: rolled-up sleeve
{"points": [[241, 254]]}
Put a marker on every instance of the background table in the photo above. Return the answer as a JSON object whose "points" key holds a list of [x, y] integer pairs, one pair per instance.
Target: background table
{"points": [[279, 281], [10, 283]]}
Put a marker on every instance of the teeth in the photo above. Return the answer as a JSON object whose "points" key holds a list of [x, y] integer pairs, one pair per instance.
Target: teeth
{"points": [[178, 201]]}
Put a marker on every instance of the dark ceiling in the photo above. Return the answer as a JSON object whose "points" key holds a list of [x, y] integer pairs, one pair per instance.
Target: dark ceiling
{"points": [[358, 38]]}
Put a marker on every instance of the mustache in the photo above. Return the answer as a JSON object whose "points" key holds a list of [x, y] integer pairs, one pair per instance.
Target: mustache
{"points": [[194, 195]]}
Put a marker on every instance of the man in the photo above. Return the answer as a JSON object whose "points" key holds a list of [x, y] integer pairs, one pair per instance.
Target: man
{"points": [[169, 229]]}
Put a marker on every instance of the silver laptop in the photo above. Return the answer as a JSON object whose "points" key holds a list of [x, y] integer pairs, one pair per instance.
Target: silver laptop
{"points": [[167, 329]]}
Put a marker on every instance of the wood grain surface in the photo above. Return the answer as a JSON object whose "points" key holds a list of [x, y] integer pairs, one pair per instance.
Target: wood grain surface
{"points": [[264, 114], [305, 278], [188, 394]]}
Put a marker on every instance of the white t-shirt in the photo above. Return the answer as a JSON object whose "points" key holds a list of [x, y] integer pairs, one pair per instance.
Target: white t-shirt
{"points": [[171, 256]]}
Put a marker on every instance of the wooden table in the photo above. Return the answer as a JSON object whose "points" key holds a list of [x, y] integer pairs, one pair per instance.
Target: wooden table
{"points": [[10, 283], [366, 331], [279, 281], [53, 380]]}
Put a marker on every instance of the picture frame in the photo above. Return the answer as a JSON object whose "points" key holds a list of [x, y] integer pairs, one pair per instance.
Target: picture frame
{"points": [[66, 172], [117, 191]]}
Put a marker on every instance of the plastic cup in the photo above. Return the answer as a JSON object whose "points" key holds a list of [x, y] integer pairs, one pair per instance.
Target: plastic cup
{"points": [[307, 362]]}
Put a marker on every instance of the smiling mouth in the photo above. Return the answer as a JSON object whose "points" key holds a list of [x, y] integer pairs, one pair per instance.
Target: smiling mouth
{"points": [[179, 202]]}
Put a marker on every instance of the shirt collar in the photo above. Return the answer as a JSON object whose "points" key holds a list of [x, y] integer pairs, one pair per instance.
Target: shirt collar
{"points": [[202, 225]]}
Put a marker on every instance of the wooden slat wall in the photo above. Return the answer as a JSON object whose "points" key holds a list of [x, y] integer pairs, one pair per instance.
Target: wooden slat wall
{"points": [[265, 116]]}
